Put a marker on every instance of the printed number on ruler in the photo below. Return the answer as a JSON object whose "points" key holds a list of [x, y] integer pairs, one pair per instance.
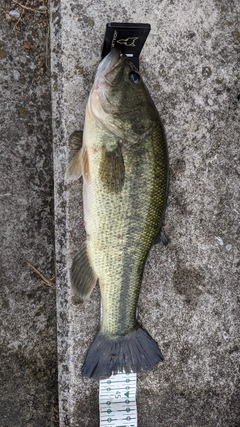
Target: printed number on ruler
{"points": [[117, 401]]}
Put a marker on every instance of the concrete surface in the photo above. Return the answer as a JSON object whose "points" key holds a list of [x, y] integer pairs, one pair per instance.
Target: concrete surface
{"points": [[28, 359], [190, 295]]}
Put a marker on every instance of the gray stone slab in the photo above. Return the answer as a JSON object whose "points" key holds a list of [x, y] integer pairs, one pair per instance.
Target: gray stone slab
{"points": [[28, 353], [190, 296]]}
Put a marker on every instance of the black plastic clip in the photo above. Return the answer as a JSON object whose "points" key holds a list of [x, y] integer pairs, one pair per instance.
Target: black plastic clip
{"points": [[130, 38]]}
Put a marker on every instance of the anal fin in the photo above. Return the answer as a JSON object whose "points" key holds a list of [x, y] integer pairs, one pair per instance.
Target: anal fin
{"points": [[83, 277], [161, 238]]}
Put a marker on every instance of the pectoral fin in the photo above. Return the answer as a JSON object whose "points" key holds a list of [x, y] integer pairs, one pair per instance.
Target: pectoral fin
{"points": [[76, 140], [112, 169], [74, 170], [83, 277]]}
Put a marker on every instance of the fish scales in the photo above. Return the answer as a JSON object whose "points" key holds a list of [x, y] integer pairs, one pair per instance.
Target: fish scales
{"points": [[124, 191], [132, 223]]}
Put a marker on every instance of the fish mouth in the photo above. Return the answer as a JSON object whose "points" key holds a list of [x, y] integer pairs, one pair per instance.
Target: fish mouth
{"points": [[111, 66]]}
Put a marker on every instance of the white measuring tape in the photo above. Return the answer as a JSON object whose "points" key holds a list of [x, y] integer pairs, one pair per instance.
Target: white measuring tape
{"points": [[117, 401]]}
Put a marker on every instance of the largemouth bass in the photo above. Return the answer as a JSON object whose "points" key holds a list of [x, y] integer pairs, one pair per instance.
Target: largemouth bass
{"points": [[124, 164]]}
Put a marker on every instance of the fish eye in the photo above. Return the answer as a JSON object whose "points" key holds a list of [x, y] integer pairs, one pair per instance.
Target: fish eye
{"points": [[134, 77]]}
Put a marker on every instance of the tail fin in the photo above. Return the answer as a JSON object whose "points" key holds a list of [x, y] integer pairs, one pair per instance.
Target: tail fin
{"points": [[134, 352]]}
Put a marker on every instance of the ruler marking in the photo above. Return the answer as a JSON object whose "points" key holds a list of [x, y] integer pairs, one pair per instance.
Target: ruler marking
{"points": [[117, 401]]}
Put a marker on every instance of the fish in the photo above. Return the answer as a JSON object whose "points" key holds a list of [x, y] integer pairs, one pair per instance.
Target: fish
{"points": [[124, 164]]}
